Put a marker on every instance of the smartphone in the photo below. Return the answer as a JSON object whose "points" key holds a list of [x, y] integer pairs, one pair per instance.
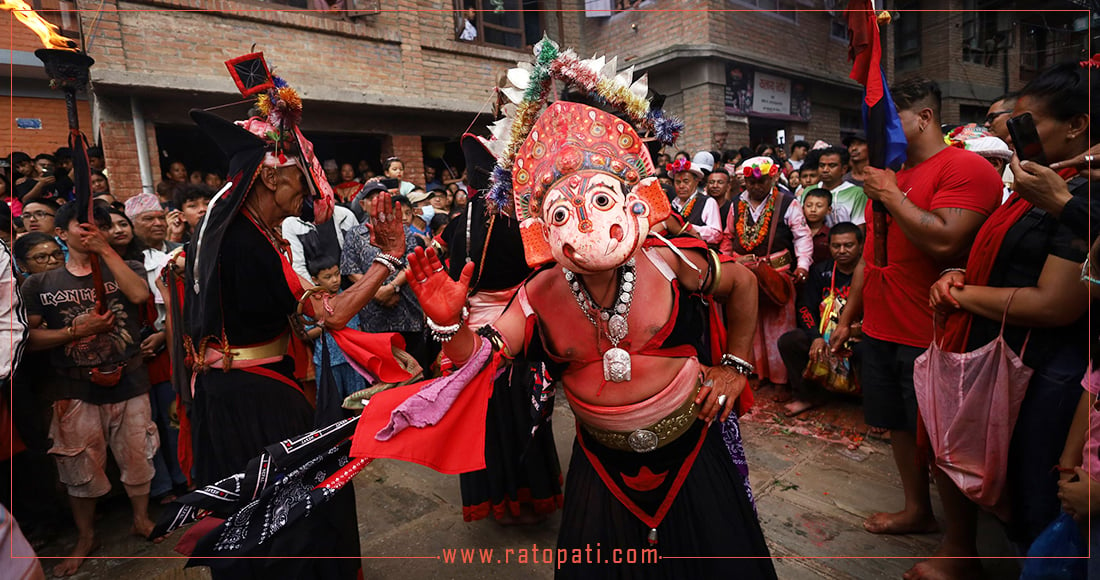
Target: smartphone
{"points": [[391, 183], [1025, 139]]}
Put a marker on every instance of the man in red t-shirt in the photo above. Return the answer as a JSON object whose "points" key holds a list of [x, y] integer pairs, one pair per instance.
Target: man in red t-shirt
{"points": [[936, 204]]}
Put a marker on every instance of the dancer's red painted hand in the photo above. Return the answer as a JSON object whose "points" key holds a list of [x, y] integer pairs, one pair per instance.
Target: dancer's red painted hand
{"points": [[441, 297], [387, 231]]}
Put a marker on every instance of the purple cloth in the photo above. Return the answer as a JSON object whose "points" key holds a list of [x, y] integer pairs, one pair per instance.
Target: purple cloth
{"points": [[731, 434], [433, 400]]}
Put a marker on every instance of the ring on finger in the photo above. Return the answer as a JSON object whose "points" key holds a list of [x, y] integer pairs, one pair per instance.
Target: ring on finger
{"points": [[421, 281], [1089, 159], [439, 269], [722, 400]]}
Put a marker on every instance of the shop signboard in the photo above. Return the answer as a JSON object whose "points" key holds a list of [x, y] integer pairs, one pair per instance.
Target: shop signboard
{"points": [[758, 94]]}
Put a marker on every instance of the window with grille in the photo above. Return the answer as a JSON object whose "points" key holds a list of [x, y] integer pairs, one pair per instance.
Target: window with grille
{"points": [[517, 25], [979, 33], [623, 5], [61, 13], [907, 32], [782, 8], [838, 28]]}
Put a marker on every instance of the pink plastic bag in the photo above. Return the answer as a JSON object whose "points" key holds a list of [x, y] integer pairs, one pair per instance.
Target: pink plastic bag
{"points": [[969, 403]]}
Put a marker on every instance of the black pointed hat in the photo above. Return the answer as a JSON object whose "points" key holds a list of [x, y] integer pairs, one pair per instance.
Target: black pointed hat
{"points": [[245, 152]]}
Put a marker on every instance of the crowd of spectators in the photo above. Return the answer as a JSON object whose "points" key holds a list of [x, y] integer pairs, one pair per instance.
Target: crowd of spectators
{"points": [[975, 234]]}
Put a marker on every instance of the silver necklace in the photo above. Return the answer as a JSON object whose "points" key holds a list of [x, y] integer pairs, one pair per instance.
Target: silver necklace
{"points": [[616, 361]]}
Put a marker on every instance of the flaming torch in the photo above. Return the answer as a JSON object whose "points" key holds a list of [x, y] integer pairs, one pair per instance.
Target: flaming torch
{"points": [[68, 70]]}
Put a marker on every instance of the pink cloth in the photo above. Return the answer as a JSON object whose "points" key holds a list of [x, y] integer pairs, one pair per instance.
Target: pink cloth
{"points": [[17, 558], [487, 305], [433, 400], [643, 413], [772, 322], [15, 205], [1091, 461]]}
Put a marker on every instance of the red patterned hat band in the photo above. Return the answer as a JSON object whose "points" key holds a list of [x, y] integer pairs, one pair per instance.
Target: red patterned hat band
{"points": [[571, 137]]}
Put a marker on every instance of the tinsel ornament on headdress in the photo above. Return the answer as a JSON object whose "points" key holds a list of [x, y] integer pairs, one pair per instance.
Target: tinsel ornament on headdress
{"points": [[597, 79]]}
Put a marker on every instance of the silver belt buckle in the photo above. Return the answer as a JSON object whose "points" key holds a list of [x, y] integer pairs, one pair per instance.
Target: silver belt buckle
{"points": [[642, 440]]}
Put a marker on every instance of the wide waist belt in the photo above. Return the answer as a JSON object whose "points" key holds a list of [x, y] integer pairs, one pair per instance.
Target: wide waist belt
{"points": [[228, 357], [275, 348], [656, 435]]}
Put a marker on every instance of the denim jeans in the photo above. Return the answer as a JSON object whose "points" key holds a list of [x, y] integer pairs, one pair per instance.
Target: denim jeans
{"points": [[166, 461]]}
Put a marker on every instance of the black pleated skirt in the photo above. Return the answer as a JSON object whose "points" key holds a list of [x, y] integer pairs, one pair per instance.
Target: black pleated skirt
{"points": [[710, 516], [237, 414], [521, 469]]}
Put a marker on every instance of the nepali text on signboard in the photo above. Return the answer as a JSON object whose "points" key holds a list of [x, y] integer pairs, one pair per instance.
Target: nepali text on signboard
{"points": [[753, 93]]}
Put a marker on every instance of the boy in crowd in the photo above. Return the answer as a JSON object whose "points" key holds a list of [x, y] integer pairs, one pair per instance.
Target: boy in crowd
{"points": [[849, 200], [324, 270], [192, 201], [816, 206], [809, 175]]}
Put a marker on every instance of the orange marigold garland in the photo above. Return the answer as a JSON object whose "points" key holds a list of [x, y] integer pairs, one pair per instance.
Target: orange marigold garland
{"points": [[751, 236], [690, 205]]}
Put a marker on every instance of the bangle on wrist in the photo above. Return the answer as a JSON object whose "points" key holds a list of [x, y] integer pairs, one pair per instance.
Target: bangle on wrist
{"points": [[389, 266], [444, 334], [71, 330], [740, 365], [395, 261], [949, 270]]}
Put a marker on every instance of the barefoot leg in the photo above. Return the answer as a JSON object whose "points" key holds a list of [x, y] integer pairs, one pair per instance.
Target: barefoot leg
{"points": [[142, 525], [947, 565], [797, 407], [917, 516], [84, 515]]}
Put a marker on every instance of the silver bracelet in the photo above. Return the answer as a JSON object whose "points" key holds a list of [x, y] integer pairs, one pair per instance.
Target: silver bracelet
{"points": [[959, 270], [740, 365], [395, 261], [379, 260], [444, 334]]}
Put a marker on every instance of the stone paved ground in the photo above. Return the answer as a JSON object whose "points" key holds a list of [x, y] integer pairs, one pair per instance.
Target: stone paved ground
{"points": [[812, 492]]}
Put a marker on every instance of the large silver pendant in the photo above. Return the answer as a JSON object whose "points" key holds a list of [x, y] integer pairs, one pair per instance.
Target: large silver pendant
{"points": [[617, 328], [616, 365]]}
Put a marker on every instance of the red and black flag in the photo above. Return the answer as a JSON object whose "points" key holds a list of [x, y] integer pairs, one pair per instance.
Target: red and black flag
{"points": [[886, 142], [885, 139]]}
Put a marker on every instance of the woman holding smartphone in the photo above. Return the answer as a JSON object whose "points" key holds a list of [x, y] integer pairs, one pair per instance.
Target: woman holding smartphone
{"points": [[1025, 254]]}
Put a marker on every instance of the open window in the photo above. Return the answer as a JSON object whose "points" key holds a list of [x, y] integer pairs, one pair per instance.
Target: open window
{"points": [[517, 25]]}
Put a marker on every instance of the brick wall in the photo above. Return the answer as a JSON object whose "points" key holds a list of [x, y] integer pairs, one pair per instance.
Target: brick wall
{"points": [[825, 125], [408, 50], [411, 152], [644, 30], [55, 124], [18, 37], [116, 135]]}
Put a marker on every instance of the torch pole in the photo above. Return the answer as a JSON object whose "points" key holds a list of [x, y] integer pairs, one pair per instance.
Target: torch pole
{"points": [[68, 71], [83, 191]]}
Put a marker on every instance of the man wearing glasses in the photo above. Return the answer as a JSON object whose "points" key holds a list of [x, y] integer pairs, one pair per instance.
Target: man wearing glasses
{"points": [[998, 115], [996, 120], [38, 216]]}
